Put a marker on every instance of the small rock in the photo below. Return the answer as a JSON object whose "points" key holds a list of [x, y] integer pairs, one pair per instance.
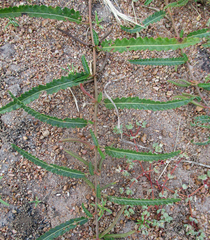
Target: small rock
{"points": [[144, 138], [15, 89], [45, 133]]}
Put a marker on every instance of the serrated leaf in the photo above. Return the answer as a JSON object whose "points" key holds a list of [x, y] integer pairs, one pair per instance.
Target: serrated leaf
{"points": [[50, 88], [98, 191], [86, 211], [101, 153], [141, 156], [42, 11], [141, 202], [63, 123], [185, 84], [63, 228], [147, 2], [202, 143], [95, 38], [77, 157], [95, 140], [179, 3], [146, 104], [63, 171], [205, 86], [200, 33], [85, 65], [155, 17], [91, 168], [159, 61], [151, 44]]}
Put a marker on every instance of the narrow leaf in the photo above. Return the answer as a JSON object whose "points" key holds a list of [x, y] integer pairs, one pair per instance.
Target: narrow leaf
{"points": [[141, 202], [151, 44], [98, 191], [91, 168], [159, 61], [77, 157], [100, 95], [180, 83], [86, 211], [65, 123], [3, 202], [63, 228], [141, 156], [85, 65], [95, 38], [95, 140], [101, 153], [118, 235], [108, 185], [147, 2], [146, 104], [50, 88], [200, 33], [41, 11], [179, 3], [155, 17], [63, 171], [202, 143], [205, 86]]}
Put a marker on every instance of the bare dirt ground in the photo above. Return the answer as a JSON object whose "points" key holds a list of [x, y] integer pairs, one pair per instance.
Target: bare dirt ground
{"points": [[34, 54]]}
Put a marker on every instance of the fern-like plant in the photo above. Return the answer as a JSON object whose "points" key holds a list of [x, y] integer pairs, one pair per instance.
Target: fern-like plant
{"points": [[77, 79]]}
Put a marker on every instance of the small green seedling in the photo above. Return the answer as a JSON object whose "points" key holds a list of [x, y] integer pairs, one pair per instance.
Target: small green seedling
{"points": [[97, 21], [36, 201], [102, 208], [12, 21]]}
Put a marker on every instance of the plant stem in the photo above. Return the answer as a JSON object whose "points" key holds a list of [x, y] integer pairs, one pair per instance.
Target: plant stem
{"points": [[114, 222], [95, 115]]}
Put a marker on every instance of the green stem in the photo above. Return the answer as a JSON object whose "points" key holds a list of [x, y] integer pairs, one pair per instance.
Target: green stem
{"points": [[108, 185], [77, 157], [114, 222]]}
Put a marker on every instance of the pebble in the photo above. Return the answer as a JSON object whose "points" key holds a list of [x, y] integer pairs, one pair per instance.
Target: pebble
{"points": [[45, 134], [144, 138]]}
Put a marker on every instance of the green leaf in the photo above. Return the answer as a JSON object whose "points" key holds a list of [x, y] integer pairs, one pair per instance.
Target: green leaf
{"points": [[100, 95], [77, 157], [63, 171], [146, 104], [3, 202], [95, 38], [50, 88], [101, 153], [91, 168], [151, 44], [201, 143], [180, 83], [199, 33], [118, 235], [147, 2], [205, 86], [95, 140], [159, 61], [63, 228], [65, 123], [98, 191], [86, 211], [157, 16], [181, 33], [42, 11], [141, 156], [141, 202], [180, 3], [85, 65]]}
